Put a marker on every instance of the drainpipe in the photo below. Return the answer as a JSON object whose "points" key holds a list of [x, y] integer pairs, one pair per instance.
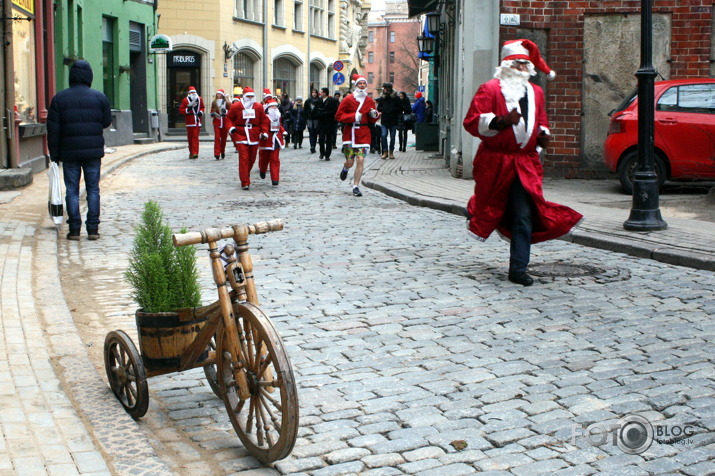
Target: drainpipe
{"points": [[310, 25], [265, 46], [9, 113]]}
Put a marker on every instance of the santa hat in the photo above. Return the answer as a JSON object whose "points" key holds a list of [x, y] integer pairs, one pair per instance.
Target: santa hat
{"points": [[526, 50], [248, 92], [221, 92], [192, 90], [357, 78], [267, 93], [271, 102], [418, 95]]}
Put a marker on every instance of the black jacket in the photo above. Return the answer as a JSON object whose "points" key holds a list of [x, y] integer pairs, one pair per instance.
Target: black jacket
{"points": [[391, 107], [77, 118], [324, 111]]}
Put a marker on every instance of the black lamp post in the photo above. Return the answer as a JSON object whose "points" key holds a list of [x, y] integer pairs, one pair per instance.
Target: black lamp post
{"points": [[645, 212], [425, 44]]}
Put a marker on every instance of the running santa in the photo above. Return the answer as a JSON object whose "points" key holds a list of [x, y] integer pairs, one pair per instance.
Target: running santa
{"points": [[247, 125]]}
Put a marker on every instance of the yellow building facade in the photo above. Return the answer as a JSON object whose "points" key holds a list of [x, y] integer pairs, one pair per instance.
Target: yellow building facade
{"points": [[288, 46]]}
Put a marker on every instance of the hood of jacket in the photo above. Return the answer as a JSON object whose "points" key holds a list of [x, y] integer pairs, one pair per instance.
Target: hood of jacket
{"points": [[81, 73]]}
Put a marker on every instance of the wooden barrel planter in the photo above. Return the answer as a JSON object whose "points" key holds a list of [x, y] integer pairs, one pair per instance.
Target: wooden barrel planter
{"points": [[164, 336]]}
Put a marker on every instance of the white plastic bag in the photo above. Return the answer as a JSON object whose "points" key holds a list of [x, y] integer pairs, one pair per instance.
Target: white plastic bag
{"points": [[54, 201]]}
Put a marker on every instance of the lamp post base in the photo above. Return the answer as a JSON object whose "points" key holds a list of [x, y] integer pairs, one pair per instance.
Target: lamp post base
{"points": [[645, 213]]}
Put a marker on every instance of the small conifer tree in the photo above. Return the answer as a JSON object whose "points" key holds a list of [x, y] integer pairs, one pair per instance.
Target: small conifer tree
{"points": [[164, 278]]}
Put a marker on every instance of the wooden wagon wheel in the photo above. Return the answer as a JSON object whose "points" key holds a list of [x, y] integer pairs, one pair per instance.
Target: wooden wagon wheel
{"points": [[210, 372], [125, 372], [267, 422]]}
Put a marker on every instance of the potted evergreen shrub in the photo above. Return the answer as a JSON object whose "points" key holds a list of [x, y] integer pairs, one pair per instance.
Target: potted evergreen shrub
{"points": [[164, 279]]}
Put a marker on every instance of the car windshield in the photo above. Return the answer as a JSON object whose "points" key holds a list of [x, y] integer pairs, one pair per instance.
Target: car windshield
{"points": [[626, 101]]}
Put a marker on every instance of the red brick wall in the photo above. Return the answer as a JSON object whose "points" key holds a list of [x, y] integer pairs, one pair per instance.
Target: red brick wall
{"points": [[564, 21], [406, 33]]}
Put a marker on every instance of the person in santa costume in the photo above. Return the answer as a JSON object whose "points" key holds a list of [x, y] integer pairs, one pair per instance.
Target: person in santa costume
{"points": [[508, 114], [270, 148], [192, 107], [247, 125], [356, 112], [219, 109]]}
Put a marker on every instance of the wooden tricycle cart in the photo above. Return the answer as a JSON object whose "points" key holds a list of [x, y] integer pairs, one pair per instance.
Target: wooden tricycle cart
{"points": [[234, 341]]}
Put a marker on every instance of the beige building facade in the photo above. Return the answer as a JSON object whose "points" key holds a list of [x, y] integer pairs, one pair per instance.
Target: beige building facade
{"points": [[288, 46]]}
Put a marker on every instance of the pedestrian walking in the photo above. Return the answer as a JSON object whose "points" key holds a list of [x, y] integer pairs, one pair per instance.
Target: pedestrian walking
{"points": [[419, 107], [391, 109], [429, 112], [312, 118], [247, 125], [356, 112], [508, 113], [219, 109], [270, 147], [325, 110], [404, 121], [298, 122], [286, 109], [75, 127], [339, 98], [192, 107]]}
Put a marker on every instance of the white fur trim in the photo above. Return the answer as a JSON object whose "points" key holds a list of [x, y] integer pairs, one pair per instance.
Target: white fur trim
{"points": [[551, 75], [484, 121]]}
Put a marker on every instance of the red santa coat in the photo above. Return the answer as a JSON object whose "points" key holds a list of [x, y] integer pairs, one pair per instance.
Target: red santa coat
{"points": [[276, 132], [193, 119], [356, 134], [249, 123], [502, 156]]}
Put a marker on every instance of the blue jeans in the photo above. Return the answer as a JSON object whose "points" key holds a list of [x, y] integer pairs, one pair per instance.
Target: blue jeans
{"points": [[72, 172], [519, 210], [392, 130]]}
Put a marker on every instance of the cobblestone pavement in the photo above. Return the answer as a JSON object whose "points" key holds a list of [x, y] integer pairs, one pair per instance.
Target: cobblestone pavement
{"points": [[412, 352]]}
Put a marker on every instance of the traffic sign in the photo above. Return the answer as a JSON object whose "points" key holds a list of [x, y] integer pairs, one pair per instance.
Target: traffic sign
{"points": [[338, 66], [338, 78], [421, 88]]}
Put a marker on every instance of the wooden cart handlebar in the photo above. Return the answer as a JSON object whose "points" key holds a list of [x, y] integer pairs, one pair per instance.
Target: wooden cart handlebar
{"points": [[215, 234]]}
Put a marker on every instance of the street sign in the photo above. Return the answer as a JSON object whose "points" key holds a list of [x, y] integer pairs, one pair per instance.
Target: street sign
{"points": [[338, 66], [338, 78], [421, 88], [160, 44]]}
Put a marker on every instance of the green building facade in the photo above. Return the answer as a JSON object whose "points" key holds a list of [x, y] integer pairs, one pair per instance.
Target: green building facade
{"points": [[113, 36]]}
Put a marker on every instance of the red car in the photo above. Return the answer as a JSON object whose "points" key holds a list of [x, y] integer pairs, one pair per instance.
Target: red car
{"points": [[684, 138]]}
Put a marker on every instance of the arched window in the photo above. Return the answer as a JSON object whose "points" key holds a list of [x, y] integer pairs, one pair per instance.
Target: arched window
{"points": [[315, 76], [284, 77], [243, 71]]}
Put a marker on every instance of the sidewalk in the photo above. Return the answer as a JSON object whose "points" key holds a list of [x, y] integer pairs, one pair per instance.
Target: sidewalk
{"points": [[57, 416], [422, 179]]}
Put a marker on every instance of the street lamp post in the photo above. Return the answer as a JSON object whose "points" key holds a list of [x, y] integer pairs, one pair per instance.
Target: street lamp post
{"points": [[645, 212]]}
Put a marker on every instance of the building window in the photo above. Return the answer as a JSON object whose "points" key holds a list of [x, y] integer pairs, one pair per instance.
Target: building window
{"points": [[251, 10], [392, 37], [23, 41], [370, 77], [392, 77], [298, 15], [278, 13], [392, 56], [243, 71], [331, 18], [315, 74], [370, 57], [371, 36], [317, 12], [284, 77], [108, 58]]}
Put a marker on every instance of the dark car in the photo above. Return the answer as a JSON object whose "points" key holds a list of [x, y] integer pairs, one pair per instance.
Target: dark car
{"points": [[684, 139]]}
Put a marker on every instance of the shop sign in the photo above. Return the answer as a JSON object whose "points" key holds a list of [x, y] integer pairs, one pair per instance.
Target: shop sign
{"points": [[27, 5], [160, 44], [183, 59]]}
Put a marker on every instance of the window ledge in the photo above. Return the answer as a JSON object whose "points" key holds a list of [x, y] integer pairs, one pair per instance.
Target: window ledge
{"points": [[324, 38], [252, 22], [279, 27], [302, 32]]}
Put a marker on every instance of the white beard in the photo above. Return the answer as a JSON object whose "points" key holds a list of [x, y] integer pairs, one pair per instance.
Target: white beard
{"points": [[274, 114], [360, 94], [512, 81], [248, 103]]}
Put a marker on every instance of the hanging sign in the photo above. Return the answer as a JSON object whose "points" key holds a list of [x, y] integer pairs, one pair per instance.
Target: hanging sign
{"points": [[338, 78], [160, 44], [338, 66]]}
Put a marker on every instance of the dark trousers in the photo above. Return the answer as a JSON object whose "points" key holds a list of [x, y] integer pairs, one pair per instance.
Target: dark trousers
{"points": [[391, 130], [326, 139], [402, 135], [313, 133], [72, 172], [519, 209]]}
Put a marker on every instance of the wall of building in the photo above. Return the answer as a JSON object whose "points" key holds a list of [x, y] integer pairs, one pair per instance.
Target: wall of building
{"points": [[398, 58]]}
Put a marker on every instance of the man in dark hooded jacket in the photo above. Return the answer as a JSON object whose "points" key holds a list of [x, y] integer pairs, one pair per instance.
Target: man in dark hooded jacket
{"points": [[75, 125]]}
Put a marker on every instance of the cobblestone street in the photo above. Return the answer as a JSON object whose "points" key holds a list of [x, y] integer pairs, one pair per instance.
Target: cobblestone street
{"points": [[412, 352]]}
